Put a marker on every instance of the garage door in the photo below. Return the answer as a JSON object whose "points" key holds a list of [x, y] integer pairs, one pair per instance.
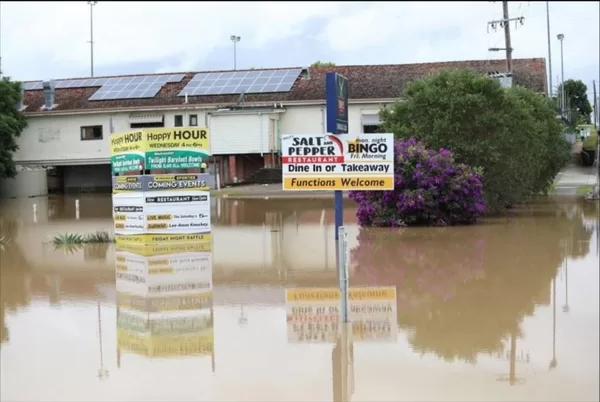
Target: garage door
{"points": [[239, 134]]}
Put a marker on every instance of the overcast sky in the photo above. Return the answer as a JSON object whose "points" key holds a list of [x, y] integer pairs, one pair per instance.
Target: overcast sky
{"points": [[49, 40]]}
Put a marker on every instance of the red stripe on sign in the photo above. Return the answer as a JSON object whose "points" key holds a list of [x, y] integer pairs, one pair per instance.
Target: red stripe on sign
{"points": [[312, 159]]}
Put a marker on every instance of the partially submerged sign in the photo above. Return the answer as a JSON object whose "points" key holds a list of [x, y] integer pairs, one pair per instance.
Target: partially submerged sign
{"points": [[333, 162]]}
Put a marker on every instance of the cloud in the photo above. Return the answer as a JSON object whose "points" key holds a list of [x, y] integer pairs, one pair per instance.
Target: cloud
{"points": [[49, 39]]}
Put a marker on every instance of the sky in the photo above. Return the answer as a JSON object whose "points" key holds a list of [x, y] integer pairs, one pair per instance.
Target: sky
{"points": [[43, 40]]}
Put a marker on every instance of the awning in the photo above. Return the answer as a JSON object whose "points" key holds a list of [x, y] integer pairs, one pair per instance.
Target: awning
{"points": [[146, 118], [371, 119]]}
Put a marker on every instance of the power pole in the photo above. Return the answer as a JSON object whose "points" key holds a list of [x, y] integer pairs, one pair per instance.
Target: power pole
{"points": [[0, 39], [596, 111], [550, 89], [505, 23], [92, 4], [507, 37]]}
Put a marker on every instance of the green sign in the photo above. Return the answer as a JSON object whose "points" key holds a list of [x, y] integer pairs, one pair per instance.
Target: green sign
{"points": [[175, 159], [127, 163]]}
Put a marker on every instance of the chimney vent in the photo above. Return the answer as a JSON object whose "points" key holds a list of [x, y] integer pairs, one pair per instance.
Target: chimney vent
{"points": [[49, 95], [21, 104]]}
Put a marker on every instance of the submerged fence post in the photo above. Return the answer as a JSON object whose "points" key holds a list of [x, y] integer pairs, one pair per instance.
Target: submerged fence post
{"points": [[34, 213], [343, 273]]}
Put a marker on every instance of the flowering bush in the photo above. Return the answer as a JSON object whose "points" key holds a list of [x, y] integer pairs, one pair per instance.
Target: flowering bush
{"points": [[430, 189]]}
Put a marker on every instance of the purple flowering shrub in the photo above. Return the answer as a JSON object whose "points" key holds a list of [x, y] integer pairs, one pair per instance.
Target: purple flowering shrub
{"points": [[431, 189]]}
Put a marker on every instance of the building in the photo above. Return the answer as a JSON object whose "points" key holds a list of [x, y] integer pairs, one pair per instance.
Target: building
{"points": [[246, 111]]}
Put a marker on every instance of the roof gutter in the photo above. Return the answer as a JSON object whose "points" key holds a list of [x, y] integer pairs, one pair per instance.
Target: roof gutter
{"points": [[64, 162], [181, 107]]}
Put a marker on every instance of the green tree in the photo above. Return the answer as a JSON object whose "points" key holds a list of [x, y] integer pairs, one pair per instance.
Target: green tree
{"points": [[578, 108], [12, 123], [319, 63], [512, 134]]}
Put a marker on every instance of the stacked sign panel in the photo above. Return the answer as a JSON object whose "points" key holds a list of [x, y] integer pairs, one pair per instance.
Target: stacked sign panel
{"points": [[162, 224], [160, 191]]}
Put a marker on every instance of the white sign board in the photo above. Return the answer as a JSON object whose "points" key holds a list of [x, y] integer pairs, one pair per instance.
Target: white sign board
{"points": [[337, 162]]}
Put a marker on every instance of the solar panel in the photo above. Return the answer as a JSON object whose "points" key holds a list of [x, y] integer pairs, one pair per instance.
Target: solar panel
{"points": [[132, 87], [61, 84], [32, 86], [235, 82], [117, 87]]}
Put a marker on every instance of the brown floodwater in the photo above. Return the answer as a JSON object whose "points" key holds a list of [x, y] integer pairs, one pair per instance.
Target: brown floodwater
{"points": [[505, 310]]}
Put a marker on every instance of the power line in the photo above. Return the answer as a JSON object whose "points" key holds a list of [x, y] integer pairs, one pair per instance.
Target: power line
{"points": [[505, 24]]}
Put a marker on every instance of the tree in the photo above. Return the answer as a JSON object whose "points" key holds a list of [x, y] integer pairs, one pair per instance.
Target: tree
{"points": [[319, 63], [577, 107], [512, 134], [12, 123]]}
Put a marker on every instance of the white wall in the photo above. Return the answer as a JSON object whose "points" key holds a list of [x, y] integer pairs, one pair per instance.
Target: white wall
{"points": [[241, 133], [57, 140]]}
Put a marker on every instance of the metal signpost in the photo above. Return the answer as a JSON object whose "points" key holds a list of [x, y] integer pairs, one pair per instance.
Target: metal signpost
{"points": [[336, 89], [342, 261]]}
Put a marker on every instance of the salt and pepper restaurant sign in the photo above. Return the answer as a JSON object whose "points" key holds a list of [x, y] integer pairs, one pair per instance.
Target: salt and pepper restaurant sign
{"points": [[338, 162]]}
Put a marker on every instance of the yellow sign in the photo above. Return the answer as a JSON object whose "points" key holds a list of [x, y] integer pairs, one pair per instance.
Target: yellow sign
{"points": [[333, 294], [127, 142], [162, 217], [160, 139], [166, 346], [161, 239], [338, 183], [157, 226]]}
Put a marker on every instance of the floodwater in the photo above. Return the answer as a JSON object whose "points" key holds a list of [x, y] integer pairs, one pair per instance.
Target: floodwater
{"points": [[506, 310]]}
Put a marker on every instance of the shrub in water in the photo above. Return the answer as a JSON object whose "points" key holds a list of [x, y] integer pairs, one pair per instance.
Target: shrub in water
{"points": [[430, 189]]}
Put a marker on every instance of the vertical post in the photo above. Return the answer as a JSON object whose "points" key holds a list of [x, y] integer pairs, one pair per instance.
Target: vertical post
{"points": [[596, 111], [92, 4], [562, 78], [507, 37], [549, 50], [35, 213], [336, 87], [343, 273], [77, 209], [235, 55]]}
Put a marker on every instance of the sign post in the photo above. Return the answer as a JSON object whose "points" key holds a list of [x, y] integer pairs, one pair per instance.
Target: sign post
{"points": [[343, 273], [336, 88]]}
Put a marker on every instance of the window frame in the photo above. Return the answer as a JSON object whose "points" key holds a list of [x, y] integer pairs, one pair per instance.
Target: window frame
{"points": [[178, 116], [83, 131], [195, 116]]}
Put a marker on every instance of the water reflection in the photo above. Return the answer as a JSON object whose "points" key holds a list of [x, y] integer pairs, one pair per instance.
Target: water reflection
{"points": [[462, 291], [164, 300], [477, 309]]}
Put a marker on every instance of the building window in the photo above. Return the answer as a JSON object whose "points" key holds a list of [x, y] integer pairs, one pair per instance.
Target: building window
{"points": [[193, 120], [91, 133], [371, 129], [178, 120]]}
